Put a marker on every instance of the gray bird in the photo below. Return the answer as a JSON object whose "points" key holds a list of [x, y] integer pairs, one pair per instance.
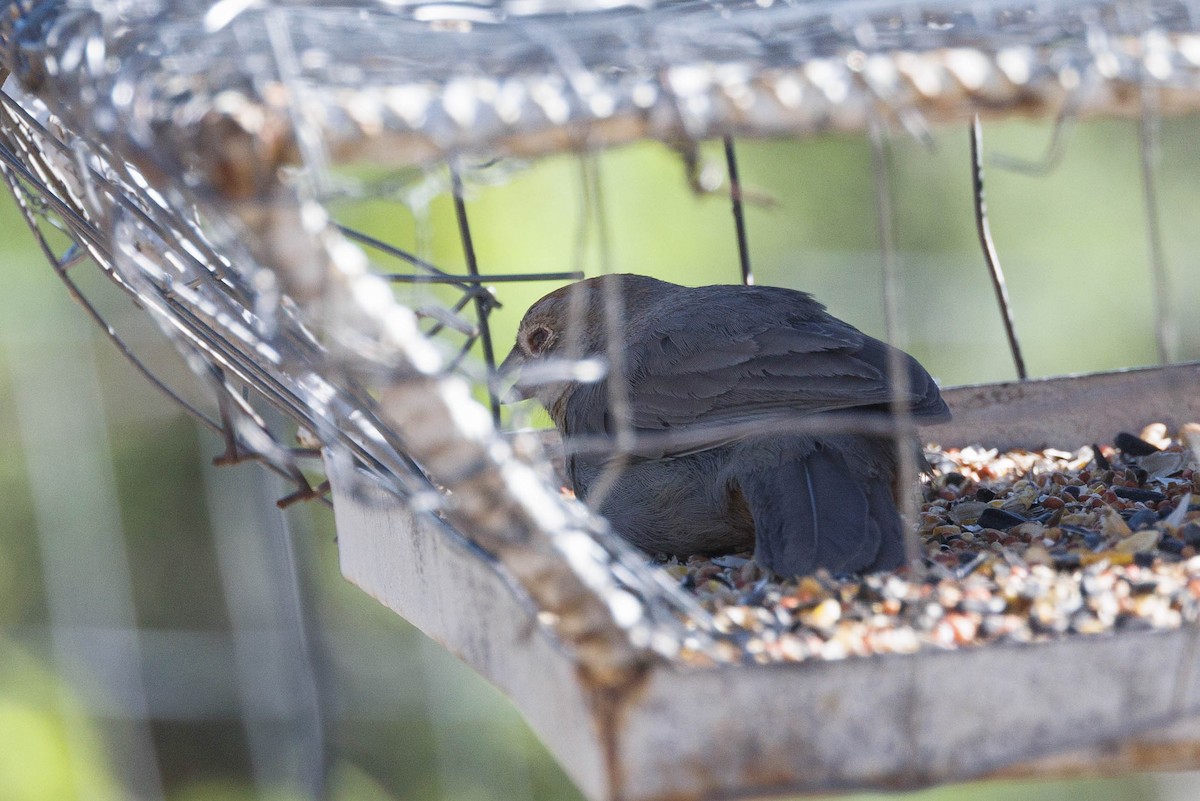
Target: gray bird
{"points": [[712, 377]]}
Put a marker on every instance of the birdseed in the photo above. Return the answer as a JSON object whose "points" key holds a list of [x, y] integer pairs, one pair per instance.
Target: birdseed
{"points": [[1020, 546]]}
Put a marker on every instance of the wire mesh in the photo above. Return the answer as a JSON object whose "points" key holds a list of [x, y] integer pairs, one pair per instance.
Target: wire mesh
{"points": [[200, 159], [228, 248], [250, 341]]}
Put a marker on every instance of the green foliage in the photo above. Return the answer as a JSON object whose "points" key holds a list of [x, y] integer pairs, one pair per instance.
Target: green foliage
{"points": [[49, 752]]}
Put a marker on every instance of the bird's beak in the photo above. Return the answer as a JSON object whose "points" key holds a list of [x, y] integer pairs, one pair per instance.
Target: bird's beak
{"points": [[507, 379], [519, 378]]}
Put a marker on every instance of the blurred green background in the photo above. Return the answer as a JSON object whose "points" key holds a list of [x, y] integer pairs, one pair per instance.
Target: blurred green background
{"points": [[164, 634]]}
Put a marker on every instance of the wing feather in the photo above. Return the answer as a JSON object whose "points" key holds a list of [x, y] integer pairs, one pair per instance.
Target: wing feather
{"points": [[757, 352]]}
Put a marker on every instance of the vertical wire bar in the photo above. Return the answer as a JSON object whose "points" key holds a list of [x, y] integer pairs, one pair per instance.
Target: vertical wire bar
{"points": [[902, 421], [1148, 151], [313, 659], [577, 301], [614, 322], [577, 294], [739, 212], [482, 308], [88, 578], [276, 657], [308, 136], [984, 228]]}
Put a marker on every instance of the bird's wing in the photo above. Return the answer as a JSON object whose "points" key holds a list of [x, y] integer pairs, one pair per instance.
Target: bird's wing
{"points": [[813, 510], [723, 355]]}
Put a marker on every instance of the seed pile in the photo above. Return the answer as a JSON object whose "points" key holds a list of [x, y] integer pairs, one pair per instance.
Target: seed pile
{"points": [[1019, 547]]}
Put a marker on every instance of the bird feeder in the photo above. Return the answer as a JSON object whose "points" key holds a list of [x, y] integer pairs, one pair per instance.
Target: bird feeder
{"points": [[187, 152], [679, 730]]}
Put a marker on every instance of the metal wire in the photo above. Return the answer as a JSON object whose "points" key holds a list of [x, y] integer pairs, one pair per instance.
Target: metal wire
{"points": [[1165, 334], [990, 257], [233, 356], [905, 429], [484, 302], [198, 192], [681, 71], [739, 213], [253, 344], [192, 176]]}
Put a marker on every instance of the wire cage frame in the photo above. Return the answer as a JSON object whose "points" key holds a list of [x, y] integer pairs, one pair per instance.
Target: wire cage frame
{"points": [[194, 180]]}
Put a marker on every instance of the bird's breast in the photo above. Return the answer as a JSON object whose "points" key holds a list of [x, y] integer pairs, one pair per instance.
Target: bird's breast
{"points": [[679, 506]]}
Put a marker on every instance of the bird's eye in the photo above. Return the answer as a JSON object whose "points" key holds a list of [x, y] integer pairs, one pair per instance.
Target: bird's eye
{"points": [[538, 339]]}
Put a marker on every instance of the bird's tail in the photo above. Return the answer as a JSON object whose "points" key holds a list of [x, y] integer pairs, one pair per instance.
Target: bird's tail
{"points": [[820, 506]]}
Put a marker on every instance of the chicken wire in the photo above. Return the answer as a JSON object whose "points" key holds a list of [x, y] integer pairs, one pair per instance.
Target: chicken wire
{"points": [[193, 154]]}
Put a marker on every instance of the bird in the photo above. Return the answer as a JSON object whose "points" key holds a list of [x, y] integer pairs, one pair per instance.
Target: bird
{"points": [[698, 414]]}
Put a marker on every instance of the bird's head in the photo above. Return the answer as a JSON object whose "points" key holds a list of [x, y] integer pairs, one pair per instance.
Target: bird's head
{"points": [[562, 340]]}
